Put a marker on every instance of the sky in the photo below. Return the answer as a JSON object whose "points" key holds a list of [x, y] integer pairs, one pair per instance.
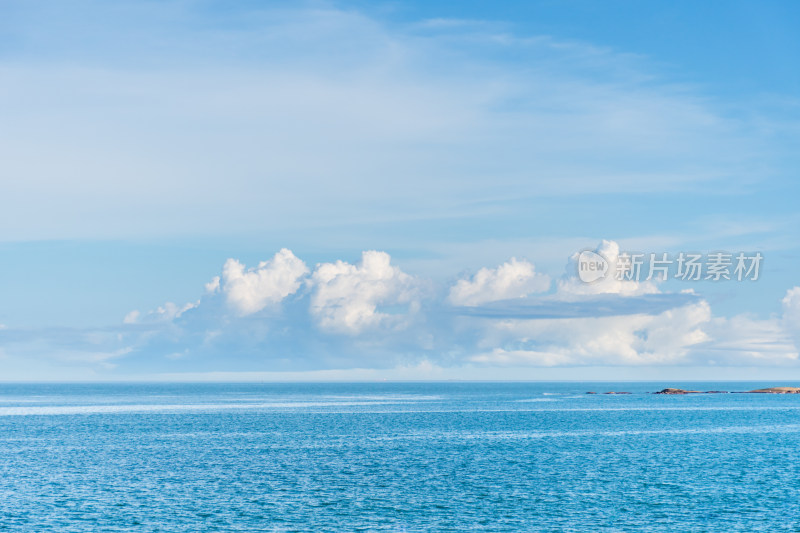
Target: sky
{"points": [[201, 190]]}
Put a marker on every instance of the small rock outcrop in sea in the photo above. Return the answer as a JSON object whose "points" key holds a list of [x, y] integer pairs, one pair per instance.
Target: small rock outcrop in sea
{"points": [[770, 390], [591, 392], [777, 390], [615, 392]]}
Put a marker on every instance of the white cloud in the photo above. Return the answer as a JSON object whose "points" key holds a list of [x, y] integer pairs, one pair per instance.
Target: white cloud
{"points": [[163, 313], [791, 309], [688, 334], [250, 291], [170, 311], [665, 338], [744, 339], [353, 298], [513, 279], [570, 286], [131, 318], [213, 285]]}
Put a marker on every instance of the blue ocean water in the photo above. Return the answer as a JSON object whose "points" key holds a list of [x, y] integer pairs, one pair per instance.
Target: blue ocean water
{"points": [[397, 457]]}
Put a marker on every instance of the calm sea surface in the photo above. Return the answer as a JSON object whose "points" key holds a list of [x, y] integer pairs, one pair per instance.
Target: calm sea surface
{"points": [[397, 457]]}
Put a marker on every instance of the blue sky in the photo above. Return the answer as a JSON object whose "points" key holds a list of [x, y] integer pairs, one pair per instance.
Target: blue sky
{"points": [[147, 144]]}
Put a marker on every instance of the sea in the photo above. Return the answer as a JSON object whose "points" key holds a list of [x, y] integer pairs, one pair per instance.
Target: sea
{"points": [[454, 456]]}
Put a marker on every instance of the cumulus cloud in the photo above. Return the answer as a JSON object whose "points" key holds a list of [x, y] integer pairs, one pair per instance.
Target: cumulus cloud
{"points": [[686, 334], [626, 327], [608, 321], [373, 314], [663, 338], [571, 286], [250, 291], [745, 339], [213, 285], [512, 279], [791, 309], [351, 298]]}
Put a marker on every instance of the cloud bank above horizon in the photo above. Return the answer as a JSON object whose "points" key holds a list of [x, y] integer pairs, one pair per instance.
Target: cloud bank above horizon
{"points": [[283, 315]]}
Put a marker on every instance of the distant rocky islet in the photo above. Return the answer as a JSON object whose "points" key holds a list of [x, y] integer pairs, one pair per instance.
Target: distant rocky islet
{"points": [[672, 391]]}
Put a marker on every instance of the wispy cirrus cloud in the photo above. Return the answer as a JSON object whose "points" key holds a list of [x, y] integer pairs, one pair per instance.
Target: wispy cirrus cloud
{"points": [[302, 116]]}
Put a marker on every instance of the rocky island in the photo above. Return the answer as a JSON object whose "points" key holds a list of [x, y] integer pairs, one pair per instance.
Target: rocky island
{"points": [[777, 390], [771, 390], [673, 391]]}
